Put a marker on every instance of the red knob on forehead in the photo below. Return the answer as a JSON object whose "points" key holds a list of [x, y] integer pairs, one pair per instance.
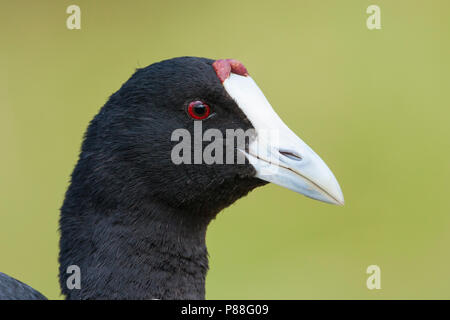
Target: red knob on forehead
{"points": [[237, 67], [224, 67]]}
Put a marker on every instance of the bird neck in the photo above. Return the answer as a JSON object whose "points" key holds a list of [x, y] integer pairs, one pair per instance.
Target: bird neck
{"points": [[154, 252]]}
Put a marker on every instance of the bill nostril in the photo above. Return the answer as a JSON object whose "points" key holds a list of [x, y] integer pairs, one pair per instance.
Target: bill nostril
{"points": [[291, 155]]}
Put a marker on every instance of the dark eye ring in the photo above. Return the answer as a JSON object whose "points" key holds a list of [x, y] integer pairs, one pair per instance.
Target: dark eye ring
{"points": [[198, 110]]}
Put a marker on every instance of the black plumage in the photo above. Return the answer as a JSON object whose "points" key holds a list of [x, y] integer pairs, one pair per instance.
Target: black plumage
{"points": [[132, 220], [12, 289]]}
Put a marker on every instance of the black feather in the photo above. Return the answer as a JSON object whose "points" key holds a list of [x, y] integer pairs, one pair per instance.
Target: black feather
{"points": [[12, 289], [134, 222]]}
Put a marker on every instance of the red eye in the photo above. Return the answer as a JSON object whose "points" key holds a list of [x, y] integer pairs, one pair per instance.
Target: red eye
{"points": [[198, 110]]}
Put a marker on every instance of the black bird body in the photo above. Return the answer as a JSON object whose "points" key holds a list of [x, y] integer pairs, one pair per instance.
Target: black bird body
{"points": [[13, 289], [132, 220]]}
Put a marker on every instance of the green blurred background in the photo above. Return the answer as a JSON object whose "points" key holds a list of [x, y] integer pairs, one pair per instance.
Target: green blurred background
{"points": [[373, 104]]}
